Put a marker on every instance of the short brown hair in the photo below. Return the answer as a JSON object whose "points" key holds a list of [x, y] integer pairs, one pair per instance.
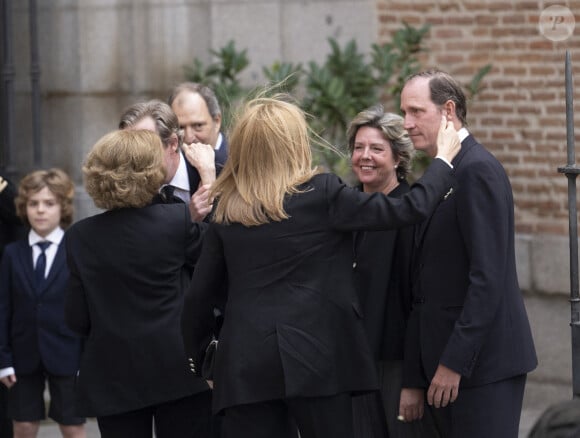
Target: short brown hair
{"points": [[124, 169], [58, 182]]}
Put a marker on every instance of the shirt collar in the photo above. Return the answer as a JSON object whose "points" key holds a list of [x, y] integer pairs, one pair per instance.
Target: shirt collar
{"points": [[218, 143], [463, 133], [55, 236], [180, 179]]}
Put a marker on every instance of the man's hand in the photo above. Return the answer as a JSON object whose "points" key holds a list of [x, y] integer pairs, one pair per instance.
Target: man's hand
{"points": [[448, 144], [411, 404], [8, 381], [202, 157], [444, 387], [201, 204], [3, 184]]}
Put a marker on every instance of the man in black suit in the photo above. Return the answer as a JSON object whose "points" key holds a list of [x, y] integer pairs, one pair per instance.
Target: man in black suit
{"points": [[468, 339], [190, 167]]}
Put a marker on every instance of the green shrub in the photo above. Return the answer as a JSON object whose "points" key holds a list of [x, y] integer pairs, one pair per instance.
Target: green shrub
{"points": [[333, 92]]}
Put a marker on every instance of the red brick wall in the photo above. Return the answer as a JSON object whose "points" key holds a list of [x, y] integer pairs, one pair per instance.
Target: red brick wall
{"points": [[520, 113]]}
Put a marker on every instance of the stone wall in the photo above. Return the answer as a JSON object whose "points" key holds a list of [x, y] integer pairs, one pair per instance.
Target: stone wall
{"points": [[98, 56]]}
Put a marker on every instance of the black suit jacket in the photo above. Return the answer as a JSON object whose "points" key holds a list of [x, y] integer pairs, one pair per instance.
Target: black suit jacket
{"points": [[221, 155], [469, 312], [33, 332], [382, 272], [125, 295], [292, 325]]}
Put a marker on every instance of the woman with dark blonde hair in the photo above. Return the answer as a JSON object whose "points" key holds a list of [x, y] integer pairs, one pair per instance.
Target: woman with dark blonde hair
{"points": [[127, 267], [381, 153], [292, 348]]}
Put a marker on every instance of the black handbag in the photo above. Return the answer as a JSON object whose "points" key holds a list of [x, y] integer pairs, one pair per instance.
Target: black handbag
{"points": [[209, 360]]}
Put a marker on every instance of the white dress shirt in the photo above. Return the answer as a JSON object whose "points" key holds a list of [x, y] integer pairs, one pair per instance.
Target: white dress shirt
{"points": [[55, 237], [181, 181]]}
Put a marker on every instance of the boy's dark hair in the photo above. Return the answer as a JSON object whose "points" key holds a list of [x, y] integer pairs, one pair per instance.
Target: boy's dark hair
{"points": [[58, 182]]}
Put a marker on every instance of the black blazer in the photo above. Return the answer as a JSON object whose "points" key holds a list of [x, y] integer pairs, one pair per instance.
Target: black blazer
{"points": [[221, 155], [382, 271], [469, 312], [125, 294], [292, 326], [33, 332]]}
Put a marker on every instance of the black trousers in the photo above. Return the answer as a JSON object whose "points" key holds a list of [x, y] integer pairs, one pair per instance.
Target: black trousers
{"points": [[186, 417], [5, 422], [375, 414], [314, 417], [491, 410]]}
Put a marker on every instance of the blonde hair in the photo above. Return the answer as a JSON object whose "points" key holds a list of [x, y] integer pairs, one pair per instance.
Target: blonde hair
{"points": [[269, 158], [124, 169], [60, 185]]}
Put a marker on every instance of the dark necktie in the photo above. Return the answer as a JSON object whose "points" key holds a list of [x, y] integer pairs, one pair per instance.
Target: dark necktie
{"points": [[168, 196], [40, 264]]}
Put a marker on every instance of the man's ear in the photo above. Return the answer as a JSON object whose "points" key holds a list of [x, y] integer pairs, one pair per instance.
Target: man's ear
{"points": [[173, 142], [218, 121], [449, 108]]}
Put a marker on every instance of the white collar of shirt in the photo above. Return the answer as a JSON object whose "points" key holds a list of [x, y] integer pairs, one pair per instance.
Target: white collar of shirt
{"points": [[462, 134], [54, 237], [218, 143], [181, 180]]}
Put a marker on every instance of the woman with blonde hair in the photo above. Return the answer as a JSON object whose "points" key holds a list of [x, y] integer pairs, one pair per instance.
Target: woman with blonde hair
{"points": [[127, 267], [292, 349]]}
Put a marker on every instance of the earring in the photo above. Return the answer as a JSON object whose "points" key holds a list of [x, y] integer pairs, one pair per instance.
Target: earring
{"points": [[396, 165]]}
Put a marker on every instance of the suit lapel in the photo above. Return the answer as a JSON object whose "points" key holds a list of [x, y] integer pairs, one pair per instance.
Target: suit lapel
{"points": [[193, 176], [466, 146], [58, 265], [420, 230], [24, 255]]}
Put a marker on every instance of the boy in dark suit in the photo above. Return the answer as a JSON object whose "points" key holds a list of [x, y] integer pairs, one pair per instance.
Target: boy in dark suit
{"points": [[35, 344]]}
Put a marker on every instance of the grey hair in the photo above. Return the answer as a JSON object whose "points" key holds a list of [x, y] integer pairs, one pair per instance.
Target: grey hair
{"points": [[205, 92], [166, 122]]}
